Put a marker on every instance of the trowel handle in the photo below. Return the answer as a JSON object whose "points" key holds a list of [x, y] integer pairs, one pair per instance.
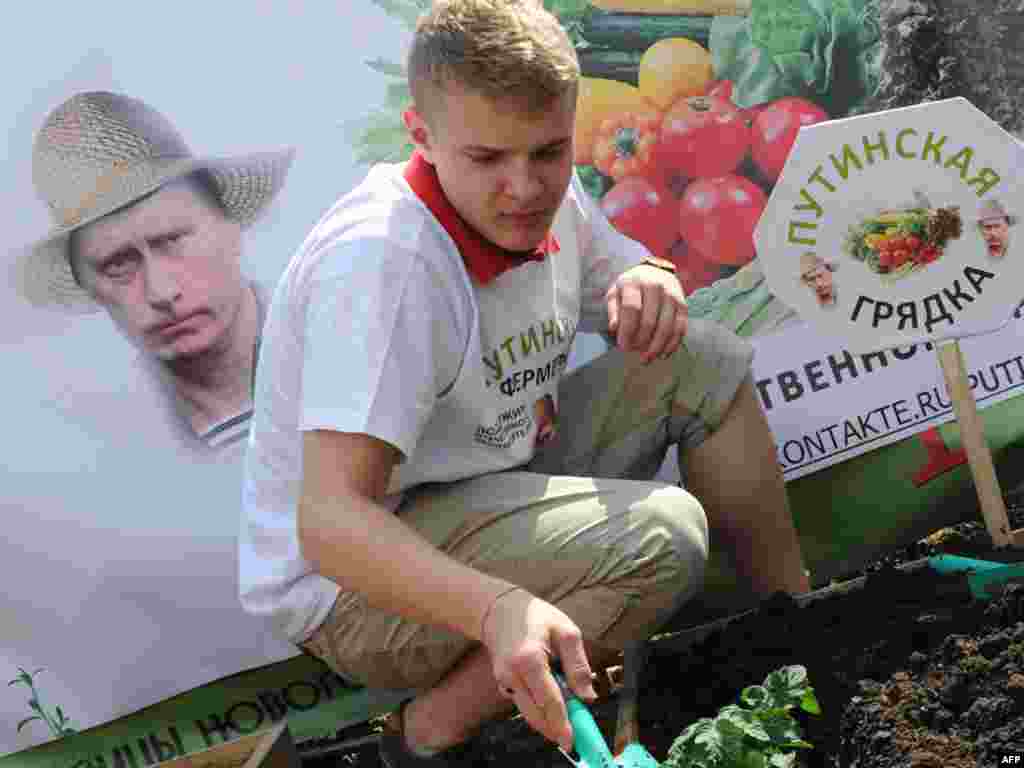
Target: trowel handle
{"points": [[586, 736]]}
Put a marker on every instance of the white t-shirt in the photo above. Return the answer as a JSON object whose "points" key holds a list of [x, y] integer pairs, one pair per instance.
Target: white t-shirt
{"points": [[381, 325]]}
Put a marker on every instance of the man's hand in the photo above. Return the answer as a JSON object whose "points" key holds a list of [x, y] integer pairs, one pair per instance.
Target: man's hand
{"points": [[647, 312], [523, 635]]}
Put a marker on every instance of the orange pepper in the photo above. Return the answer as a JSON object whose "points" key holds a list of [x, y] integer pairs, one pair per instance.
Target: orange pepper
{"points": [[625, 144]]}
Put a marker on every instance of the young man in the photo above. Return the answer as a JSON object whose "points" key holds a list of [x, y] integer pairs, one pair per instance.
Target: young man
{"points": [[153, 236], [401, 521]]}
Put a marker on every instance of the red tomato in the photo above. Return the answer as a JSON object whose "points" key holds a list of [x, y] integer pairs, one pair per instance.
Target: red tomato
{"points": [[718, 216], [645, 211], [692, 270], [721, 89], [913, 243], [775, 129], [757, 109], [703, 136], [900, 256]]}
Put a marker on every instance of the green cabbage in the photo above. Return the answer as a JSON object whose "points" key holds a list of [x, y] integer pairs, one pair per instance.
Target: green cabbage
{"points": [[827, 51]]}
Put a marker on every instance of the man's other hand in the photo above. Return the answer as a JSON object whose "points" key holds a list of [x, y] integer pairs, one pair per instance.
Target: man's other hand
{"points": [[647, 312]]}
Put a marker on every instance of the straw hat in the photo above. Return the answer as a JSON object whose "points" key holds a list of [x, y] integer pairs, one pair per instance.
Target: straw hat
{"points": [[98, 152], [993, 209]]}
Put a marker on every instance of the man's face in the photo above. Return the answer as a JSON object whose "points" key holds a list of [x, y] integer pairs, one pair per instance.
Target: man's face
{"points": [[505, 171], [997, 235], [819, 279], [167, 270]]}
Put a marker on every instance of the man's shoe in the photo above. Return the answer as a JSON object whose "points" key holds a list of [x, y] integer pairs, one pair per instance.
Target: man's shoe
{"points": [[395, 753]]}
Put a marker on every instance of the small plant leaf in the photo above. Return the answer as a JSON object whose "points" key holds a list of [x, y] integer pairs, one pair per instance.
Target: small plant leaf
{"points": [[756, 696], [798, 744], [595, 182], [746, 722], [787, 685], [782, 760], [732, 737], [699, 744], [780, 726], [404, 11], [379, 137], [751, 758], [386, 67], [26, 721], [809, 703], [399, 95]]}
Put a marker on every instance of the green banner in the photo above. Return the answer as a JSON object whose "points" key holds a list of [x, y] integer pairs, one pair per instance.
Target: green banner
{"points": [[302, 690]]}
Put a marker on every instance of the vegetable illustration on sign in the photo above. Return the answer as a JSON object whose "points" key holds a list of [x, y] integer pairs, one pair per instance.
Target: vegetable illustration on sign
{"points": [[845, 189], [899, 242]]}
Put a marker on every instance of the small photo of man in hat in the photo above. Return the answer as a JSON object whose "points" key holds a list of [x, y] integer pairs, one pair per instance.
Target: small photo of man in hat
{"points": [[994, 223], [153, 235], [546, 416], [816, 274]]}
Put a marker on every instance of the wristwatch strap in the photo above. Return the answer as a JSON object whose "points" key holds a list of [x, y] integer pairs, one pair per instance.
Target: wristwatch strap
{"points": [[665, 264]]}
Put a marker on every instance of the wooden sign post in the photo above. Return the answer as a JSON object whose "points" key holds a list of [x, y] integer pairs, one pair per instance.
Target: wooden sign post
{"points": [[895, 229], [979, 457]]}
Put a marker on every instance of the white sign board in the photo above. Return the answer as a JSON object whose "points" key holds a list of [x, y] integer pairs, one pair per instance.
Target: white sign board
{"points": [[895, 228]]}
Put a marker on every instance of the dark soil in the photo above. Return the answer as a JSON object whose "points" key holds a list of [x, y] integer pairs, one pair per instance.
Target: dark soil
{"points": [[909, 668]]}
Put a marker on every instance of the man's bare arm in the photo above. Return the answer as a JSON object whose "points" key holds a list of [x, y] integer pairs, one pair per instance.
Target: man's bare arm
{"points": [[357, 543]]}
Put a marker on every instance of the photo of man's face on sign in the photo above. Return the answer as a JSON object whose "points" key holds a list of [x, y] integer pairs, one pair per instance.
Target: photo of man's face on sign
{"points": [[994, 222], [153, 235], [817, 274]]}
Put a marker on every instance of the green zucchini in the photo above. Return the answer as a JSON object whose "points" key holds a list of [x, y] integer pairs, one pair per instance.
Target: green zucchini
{"points": [[639, 31], [612, 65]]}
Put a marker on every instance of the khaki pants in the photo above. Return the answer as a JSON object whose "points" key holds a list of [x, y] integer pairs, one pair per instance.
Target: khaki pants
{"points": [[619, 556]]}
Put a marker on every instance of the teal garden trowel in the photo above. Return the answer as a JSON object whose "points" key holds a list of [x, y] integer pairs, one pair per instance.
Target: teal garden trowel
{"points": [[588, 742], [984, 577]]}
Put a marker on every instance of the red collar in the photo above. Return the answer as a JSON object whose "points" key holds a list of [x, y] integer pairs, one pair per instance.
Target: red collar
{"points": [[483, 259]]}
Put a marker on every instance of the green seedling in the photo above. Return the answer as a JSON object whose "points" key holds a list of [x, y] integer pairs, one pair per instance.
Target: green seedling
{"points": [[976, 666], [1016, 652], [759, 732], [57, 722]]}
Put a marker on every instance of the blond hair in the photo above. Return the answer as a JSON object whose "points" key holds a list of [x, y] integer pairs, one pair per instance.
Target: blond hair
{"points": [[499, 48]]}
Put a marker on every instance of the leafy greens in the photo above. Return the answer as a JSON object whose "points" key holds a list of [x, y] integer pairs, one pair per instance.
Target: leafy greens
{"points": [[828, 51]]}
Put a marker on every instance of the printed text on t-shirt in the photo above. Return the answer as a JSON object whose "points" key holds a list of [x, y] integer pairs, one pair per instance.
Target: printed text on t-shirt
{"points": [[510, 426], [539, 336]]}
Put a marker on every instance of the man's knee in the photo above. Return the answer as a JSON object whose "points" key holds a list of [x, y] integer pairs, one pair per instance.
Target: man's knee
{"points": [[676, 520]]}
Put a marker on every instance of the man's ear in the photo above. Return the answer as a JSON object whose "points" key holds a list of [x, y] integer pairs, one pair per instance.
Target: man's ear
{"points": [[419, 131]]}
